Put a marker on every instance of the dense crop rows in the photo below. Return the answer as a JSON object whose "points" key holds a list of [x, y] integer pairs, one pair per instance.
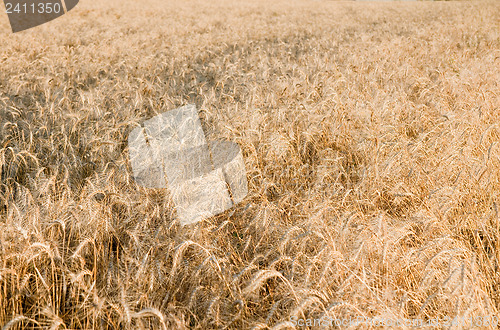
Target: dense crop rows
{"points": [[370, 133]]}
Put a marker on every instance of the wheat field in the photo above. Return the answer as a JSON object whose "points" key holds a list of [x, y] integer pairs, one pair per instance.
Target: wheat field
{"points": [[370, 133]]}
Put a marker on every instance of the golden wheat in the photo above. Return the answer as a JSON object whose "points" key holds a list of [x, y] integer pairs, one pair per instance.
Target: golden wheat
{"points": [[370, 136]]}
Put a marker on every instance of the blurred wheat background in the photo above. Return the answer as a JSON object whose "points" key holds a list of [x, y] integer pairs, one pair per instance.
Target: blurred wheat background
{"points": [[370, 133]]}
